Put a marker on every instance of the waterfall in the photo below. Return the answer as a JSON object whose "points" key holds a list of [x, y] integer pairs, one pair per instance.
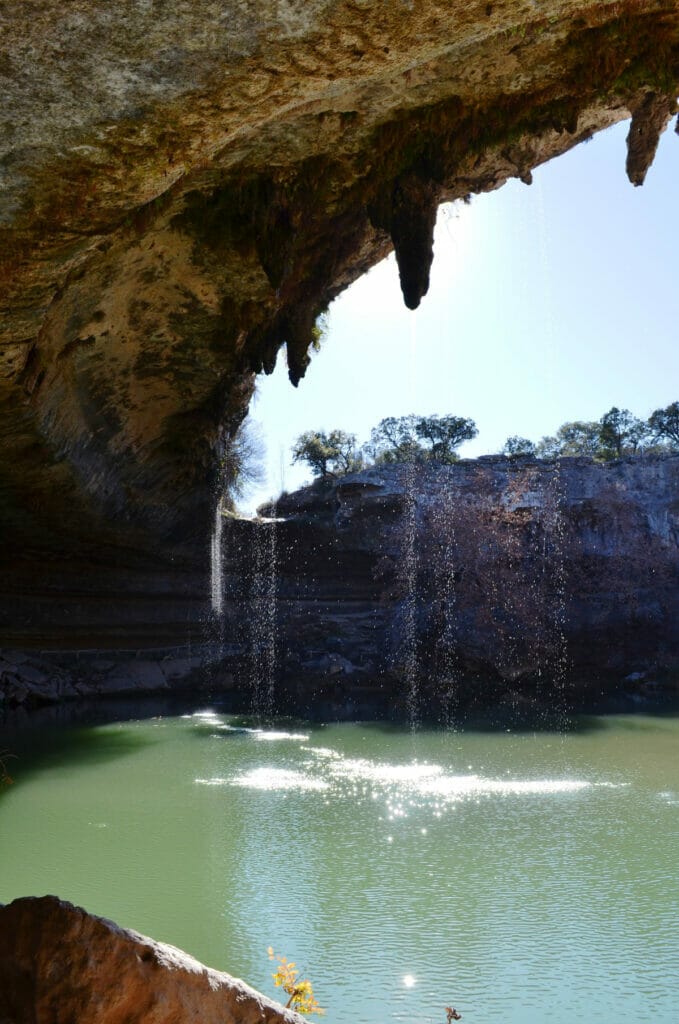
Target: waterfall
{"points": [[447, 668], [555, 565], [263, 616], [407, 574], [216, 568], [408, 652], [535, 564]]}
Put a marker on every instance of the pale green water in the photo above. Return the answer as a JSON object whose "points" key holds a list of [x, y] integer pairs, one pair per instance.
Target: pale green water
{"points": [[519, 877]]}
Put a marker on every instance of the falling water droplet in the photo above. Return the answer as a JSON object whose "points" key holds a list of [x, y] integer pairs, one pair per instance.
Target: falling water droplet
{"points": [[263, 617]]}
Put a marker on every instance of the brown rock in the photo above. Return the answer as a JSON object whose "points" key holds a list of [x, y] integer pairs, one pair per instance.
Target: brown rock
{"points": [[59, 963]]}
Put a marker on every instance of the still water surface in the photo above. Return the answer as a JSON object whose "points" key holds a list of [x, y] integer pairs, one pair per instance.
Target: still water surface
{"points": [[521, 877]]}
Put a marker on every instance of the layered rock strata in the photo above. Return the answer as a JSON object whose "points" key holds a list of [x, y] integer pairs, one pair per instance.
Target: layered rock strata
{"points": [[492, 579], [57, 963], [184, 187]]}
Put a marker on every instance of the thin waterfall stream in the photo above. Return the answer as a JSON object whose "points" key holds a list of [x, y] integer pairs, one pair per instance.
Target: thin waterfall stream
{"points": [[216, 563], [263, 623], [408, 584], [554, 562], [410, 568], [444, 569]]}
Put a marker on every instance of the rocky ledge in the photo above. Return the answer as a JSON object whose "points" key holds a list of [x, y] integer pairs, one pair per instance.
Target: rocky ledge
{"points": [[59, 963]]}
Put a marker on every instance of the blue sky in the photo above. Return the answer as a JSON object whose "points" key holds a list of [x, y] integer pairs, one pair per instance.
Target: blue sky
{"points": [[547, 303]]}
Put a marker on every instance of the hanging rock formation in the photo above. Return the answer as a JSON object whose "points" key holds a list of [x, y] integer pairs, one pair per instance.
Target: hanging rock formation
{"points": [[184, 188], [408, 214], [58, 963], [649, 120]]}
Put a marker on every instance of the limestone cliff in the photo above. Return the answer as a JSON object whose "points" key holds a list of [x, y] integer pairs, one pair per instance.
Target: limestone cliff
{"points": [[493, 579], [185, 186], [490, 580]]}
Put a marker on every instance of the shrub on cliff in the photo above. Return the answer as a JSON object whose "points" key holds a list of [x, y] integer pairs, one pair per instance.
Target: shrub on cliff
{"points": [[300, 993], [5, 777], [242, 461]]}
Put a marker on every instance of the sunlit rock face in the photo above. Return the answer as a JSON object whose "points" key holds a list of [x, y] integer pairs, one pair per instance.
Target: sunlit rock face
{"points": [[57, 962], [185, 186], [484, 581]]}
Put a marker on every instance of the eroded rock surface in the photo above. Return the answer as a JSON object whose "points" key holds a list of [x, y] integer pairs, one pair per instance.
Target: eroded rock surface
{"points": [[59, 963], [185, 186]]}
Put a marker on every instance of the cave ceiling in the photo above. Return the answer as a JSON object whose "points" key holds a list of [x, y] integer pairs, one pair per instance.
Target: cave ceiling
{"points": [[186, 184]]}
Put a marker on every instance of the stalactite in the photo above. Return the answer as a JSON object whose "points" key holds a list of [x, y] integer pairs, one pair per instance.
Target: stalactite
{"points": [[649, 120], [408, 214], [298, 332]]}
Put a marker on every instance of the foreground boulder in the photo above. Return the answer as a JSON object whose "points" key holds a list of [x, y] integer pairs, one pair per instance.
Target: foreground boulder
{"points": [[59, 963]]}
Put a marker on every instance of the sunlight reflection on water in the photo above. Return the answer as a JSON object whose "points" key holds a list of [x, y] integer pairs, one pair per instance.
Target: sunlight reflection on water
{"points": [[403, 786], [271, 779]]}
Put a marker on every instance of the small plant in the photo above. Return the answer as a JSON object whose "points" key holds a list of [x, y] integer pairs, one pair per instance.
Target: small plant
{"points": [[300, 993], [5, 778]]}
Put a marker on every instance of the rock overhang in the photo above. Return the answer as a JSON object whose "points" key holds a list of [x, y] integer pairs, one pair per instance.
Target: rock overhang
{"points": [[187, 186]]}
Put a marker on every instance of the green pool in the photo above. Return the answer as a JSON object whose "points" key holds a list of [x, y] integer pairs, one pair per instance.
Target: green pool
{"points": [[521, 877]]}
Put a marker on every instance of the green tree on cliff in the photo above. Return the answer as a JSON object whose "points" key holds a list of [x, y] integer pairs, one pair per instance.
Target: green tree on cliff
{"points": [[663, 424], [621, 433], [444, 434], [419, 438], [516, 446], [616, 434], [394, 440], [578, 437], [327, 454]]}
